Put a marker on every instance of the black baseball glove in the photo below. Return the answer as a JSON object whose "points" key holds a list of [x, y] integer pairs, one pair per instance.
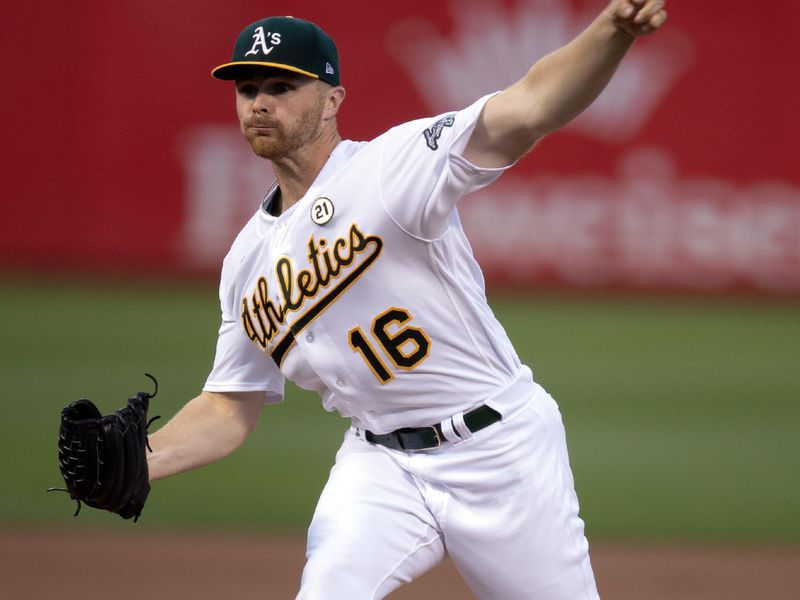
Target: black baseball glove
{"points": [[103, 458]]}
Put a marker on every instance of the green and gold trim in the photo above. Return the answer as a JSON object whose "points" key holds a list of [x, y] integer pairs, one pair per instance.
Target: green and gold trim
{"points": [[216, 71]]}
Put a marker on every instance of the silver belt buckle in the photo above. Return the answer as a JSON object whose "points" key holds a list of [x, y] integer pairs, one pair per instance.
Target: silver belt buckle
{"points": [[437, 435]]}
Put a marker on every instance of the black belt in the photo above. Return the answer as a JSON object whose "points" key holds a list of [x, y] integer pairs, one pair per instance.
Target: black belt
{"points": [[424, 438]]}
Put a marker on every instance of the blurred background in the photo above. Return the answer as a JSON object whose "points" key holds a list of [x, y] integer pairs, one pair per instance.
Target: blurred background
{"points": [[645, 260]]}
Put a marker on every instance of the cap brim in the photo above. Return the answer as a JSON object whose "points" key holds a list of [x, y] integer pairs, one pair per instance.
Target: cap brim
{"points": [[230, 70]]}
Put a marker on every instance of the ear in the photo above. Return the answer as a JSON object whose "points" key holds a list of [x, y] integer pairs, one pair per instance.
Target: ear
{"points": [[333, 100]]}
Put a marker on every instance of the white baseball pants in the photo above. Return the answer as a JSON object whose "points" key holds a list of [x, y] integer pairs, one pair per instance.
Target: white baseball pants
{"points": [[502, 504]]}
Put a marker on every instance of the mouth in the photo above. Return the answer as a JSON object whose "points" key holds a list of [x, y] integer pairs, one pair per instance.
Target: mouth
{"points": [[261, 126], [260, 130]]}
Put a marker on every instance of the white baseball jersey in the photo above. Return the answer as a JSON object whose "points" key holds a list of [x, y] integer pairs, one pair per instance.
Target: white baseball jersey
{"points": [[366, 289]]}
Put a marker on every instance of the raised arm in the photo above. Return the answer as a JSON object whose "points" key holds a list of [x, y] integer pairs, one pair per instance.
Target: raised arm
{"points": [[207, 429], [561, 85]]}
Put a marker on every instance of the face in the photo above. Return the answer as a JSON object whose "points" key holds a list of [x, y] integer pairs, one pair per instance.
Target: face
{"points": [[280, 112]]}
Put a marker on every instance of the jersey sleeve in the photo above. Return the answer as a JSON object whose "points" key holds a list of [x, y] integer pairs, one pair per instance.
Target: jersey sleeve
{"points": [[239, 366], [423, 173]]}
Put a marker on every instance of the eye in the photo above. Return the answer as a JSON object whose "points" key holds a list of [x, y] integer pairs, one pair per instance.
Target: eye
{"points": [[248, 90], [280, 87]]}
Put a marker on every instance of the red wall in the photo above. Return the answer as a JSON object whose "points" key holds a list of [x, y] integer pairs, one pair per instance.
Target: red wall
{"points": [[120, 151]]}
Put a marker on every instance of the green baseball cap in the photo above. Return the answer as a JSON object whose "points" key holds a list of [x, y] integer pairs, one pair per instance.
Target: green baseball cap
{"points": [[284, 43]]}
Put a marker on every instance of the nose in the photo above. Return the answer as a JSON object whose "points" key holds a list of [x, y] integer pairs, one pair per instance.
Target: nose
{"points": [[262, 103]]}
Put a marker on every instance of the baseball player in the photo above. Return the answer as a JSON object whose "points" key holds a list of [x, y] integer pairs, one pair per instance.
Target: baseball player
{"points": [[354, 279]]}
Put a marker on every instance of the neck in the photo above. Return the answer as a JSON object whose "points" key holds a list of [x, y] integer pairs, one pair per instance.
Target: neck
{"points": [[295, 173]]}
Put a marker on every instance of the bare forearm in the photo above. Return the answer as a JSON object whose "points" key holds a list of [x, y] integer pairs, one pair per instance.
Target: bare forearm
{"points": [[564, 83], [207, 429]]}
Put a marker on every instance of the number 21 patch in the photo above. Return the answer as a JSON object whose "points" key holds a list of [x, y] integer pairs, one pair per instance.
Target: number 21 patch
{"points": [[322, 210]]}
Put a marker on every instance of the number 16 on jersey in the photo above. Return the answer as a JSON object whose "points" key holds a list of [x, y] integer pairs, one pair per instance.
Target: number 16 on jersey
{"points": [[406, 347]]}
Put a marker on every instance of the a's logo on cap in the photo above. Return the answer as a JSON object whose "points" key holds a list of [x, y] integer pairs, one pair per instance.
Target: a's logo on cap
{"points": [[260, 42], [329, 69]]}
